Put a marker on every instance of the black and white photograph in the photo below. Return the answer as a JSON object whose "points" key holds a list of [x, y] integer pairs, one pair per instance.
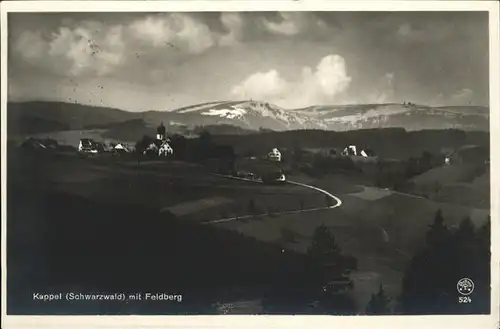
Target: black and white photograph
{"points": [[248, 162]]}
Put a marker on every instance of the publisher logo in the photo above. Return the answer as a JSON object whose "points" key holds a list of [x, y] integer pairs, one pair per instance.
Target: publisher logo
{"points": [[465, 286]]}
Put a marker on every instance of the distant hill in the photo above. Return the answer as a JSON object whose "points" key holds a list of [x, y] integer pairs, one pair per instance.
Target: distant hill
{"points": [[246, 116], [131, 130], [464, 184], [40, 117], [223, 129]]}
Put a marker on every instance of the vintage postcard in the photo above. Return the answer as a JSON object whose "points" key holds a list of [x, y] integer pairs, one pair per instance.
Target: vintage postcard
{"points": [[296, 163]]}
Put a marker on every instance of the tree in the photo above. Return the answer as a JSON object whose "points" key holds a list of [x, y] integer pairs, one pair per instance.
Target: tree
{"points": [[323, 246], [465, 233], [143, 144], [379, 304], [330, 282], [205, 138], [438, 233], [483, 258], [429, 284], [180, 145]]}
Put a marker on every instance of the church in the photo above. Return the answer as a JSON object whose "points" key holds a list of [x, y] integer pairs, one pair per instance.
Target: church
{"points": [[161, 145]]}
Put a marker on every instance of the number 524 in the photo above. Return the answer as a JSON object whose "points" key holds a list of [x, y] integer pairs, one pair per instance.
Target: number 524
{"points": [[464, 300]]}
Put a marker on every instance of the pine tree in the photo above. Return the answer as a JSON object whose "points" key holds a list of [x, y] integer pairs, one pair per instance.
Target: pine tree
{"points": [[323, 247], [438, 233], [429, 284], [379, 303], [428, 280], [465, 230], [331, 281], [481, 267]]}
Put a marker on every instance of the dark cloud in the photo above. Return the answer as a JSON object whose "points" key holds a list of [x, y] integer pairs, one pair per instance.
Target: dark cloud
{"points": [[417, 56]]}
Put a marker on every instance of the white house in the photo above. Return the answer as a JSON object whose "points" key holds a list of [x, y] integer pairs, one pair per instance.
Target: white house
{"points": [[350, 150], [367, 153], [152, 148], [120, 147], [87, 145], [274, 155]]}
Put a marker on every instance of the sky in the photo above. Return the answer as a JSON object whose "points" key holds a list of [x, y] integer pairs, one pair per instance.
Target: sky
{"points": [[163, 61]]}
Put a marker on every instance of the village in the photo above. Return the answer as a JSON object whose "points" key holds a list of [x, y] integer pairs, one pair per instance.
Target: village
{"points": [[272, 167], [267, 168]]}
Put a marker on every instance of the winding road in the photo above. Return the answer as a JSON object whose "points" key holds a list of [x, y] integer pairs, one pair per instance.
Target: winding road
{"points": [[328, 194]]}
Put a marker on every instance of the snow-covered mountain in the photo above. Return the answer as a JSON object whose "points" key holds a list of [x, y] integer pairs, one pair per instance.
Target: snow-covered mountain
{"points": [[32, 117], [249, 114], [255, 115]]}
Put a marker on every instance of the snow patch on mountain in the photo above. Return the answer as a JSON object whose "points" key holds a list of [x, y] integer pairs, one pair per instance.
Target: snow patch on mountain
{"points": [[233, 113], [198, 107]]}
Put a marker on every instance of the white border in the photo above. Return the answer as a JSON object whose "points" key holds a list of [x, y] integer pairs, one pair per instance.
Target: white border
{"points": [[490, 322]]}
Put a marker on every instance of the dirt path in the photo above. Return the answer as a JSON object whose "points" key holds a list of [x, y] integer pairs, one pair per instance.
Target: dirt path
{"points": [[223, 220]]}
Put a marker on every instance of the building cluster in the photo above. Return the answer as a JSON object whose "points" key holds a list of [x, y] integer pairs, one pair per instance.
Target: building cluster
{"points": [[159, 146], [90, 146], [409, 105], [353, 150]]}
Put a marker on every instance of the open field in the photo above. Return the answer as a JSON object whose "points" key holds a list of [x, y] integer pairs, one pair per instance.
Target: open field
{"points": [[159, 185], [381, 228]]}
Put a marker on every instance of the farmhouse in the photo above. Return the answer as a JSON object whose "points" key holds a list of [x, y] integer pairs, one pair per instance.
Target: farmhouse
{"points": [[274, 155], [121, 148], [353, 150], [350, 150], [87, 145], [367, 153]]}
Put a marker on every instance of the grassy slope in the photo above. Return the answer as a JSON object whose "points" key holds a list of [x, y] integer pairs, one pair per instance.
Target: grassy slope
{"points": [[461, 184], [158, 185], [358, 224], [358, 227]]}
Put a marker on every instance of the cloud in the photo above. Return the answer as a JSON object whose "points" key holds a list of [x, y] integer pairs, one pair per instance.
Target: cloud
{"points": [[290, 24], [233, 22], [320, 85], [89, 48], [425, 33], [261, 85], [298, 23], [463, 96], [181, 30], [30, 46]]}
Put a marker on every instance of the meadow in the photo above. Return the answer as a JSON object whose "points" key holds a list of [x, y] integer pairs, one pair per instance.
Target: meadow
{"points": [[381, 228]]}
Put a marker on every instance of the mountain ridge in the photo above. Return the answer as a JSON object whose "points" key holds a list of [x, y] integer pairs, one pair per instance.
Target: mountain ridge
{"points": [[252, 115]]}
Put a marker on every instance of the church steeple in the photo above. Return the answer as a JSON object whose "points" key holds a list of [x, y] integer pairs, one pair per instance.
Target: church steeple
{"points": [[160, 132]]}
